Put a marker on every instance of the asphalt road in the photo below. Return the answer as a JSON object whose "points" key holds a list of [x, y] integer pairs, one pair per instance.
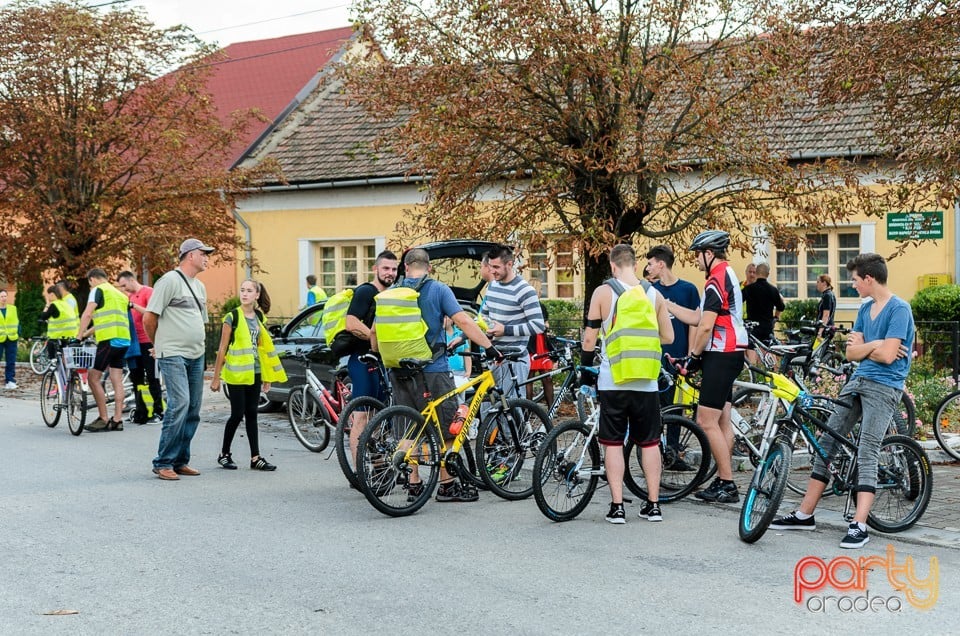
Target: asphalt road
{"points": [[85, 526]]}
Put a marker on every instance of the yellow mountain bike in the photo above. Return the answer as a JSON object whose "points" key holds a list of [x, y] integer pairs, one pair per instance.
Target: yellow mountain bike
{"points": [[401, 452]]}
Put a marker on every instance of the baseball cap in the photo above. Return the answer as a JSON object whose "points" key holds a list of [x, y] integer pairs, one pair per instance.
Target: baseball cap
{"points": [[194, 244]]}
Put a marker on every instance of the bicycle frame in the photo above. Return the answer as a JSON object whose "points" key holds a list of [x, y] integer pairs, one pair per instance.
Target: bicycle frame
{"points": [[330, 402]]}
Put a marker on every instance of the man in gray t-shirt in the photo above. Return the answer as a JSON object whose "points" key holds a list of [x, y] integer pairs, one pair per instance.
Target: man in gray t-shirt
{"points": [[175, 321]]}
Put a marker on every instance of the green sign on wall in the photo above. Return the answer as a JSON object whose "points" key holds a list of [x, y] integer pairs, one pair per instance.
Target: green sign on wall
{"points": [[914, 225]]}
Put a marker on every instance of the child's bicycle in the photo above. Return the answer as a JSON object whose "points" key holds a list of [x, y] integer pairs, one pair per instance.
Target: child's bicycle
{"points": [[402, 452], [62, 387], [313, 409], [904, 478]]}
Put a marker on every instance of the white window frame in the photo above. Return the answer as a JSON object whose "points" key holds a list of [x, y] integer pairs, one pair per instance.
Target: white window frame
{"points": [[867, 241], [548, 288], [309, 259]]}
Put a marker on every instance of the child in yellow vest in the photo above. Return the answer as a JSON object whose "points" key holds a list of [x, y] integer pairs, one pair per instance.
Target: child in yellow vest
{"points": [[248, 363]]}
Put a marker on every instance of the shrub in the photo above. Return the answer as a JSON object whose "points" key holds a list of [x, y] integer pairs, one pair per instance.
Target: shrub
{"points": [[937, 304], [796, 310], [565, 317]]}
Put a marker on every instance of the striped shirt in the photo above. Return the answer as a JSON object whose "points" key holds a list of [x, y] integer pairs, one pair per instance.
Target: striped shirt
{"points": [[517, 307]]}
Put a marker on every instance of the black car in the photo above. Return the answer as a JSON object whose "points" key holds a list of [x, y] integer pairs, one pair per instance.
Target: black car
{"points": [[303, 332], [455, 262]]}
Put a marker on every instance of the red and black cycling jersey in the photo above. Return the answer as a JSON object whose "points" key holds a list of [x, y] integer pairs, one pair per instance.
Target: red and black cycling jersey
{"points": [[721, 295]]}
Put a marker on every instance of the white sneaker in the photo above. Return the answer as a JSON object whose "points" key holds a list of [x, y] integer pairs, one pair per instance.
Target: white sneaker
{"points": [[11, 385]]}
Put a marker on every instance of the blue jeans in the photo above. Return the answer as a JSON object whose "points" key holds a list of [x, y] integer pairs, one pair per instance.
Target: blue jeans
{"points": [[9, 350], [184, 378]]}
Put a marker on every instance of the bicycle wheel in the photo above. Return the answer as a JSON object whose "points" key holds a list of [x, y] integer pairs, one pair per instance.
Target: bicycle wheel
{"points": [[904, 485], [507, 443], [50, 398], [765, 492], [565, 471], [946, 425], [587, 403], [308, 419], [688, 411], [76, 404], [746, 402], [359, 409], [904, 418], [684, 456], [397, 450], [39, 362]]}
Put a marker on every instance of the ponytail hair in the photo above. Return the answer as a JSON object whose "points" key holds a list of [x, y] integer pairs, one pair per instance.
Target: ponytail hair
{"points": [[263, 302]]}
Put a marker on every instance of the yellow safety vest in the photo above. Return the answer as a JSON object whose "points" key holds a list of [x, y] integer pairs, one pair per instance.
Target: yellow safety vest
{"points": [[110, 321], [66, 325], [335, 314], [239, 364], [401, 331], [318, 294], [9, 324], [633, 341]]}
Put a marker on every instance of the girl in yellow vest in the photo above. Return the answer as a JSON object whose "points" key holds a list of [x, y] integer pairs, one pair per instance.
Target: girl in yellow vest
{"points": [[9, 334], [248, 363]]}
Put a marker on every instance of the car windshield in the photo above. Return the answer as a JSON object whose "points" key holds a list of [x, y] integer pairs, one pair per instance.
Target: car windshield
{"points": [[308, 326]]}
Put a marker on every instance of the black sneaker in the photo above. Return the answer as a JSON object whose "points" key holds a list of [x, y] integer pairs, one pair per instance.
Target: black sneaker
{"points": [[616, 514], [720, 492], [414, 491], [651, 512], [679, 466], [792, 522], [453, 492], [855, 537]]}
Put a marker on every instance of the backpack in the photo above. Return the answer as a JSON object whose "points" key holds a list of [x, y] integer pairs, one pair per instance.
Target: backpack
{"points": [[335, 314], [633, 342], [401, 330]]}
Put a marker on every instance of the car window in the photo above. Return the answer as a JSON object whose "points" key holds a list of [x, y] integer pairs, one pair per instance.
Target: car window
{"points": [[308, 326]]}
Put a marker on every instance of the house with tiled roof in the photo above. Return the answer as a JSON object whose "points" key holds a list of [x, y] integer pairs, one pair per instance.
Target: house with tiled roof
{"points": [[272, 76], [341, 202]]}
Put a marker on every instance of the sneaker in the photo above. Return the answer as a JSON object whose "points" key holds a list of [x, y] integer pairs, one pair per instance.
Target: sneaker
{"points": [[792, 522], [261, 464], [680, 466], [855, 537], [651, 512], [96, 426], [414, 491], [114, 425], [10, 385], [454, 492], [226, 461], [616, 514], [720, 492]]}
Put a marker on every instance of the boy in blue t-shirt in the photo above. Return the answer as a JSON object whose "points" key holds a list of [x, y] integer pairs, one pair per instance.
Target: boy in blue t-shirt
{"points": [[881, 340]]}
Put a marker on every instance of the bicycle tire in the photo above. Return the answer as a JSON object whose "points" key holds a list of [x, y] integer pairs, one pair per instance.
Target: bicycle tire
{"points": [[746, 402], [905, 418], [946, 423], [383, 474], [765, 492], [904, 485], [501, 457], [688, 411], [683, 464], [556, 477], [308, 420], [341, 436], [51, 398], [39, 362], [586, 405], [76, 404]]}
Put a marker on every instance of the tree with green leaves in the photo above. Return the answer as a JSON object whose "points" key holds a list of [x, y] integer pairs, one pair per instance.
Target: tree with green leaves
{"points": [[111, 151], [610, 122]]}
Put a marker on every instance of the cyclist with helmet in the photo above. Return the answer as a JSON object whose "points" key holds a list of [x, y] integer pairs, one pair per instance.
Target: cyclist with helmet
{"points": [[718, 345]]}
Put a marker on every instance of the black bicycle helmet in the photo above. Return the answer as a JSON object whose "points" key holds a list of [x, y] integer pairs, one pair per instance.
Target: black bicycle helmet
{"points": [[715, 240]]}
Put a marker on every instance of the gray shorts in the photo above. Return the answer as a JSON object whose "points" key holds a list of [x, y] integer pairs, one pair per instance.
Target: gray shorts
{"points": [[416, 390]]}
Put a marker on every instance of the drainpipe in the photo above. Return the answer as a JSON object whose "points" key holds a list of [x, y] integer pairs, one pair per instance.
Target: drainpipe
{"points": [[956, 241], [248, 239]]}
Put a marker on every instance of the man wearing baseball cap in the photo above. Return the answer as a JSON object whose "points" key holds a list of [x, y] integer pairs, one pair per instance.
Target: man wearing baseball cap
{"points": [[175, 319]]}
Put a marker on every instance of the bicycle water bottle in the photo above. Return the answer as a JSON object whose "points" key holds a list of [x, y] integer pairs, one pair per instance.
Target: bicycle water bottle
{"points": [[588, 391], [461, 416]]}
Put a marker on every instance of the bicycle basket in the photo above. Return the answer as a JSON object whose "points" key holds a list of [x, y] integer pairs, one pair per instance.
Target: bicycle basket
{"points": [[80, 357]]}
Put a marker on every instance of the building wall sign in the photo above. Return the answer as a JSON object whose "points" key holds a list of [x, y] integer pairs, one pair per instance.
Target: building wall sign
{"points": [[914, 225]]}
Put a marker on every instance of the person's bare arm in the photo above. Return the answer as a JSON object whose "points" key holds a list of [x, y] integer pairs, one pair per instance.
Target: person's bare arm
{"points": [[150, 325]]}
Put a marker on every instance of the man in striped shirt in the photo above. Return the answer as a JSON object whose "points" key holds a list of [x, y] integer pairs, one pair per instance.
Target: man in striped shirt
{"points": [[511, 310]]}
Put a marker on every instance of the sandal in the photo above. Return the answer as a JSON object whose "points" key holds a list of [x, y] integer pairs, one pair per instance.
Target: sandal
{"points": [[261, 464], [226, 461]]}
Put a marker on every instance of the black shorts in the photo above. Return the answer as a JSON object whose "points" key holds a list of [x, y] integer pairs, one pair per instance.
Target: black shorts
{"points": [[720, 370], [108, 356], [636, 412]]}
